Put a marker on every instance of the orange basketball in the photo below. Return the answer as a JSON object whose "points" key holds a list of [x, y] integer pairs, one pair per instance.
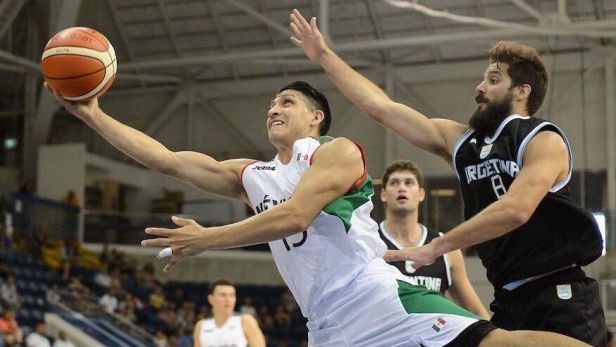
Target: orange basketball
{"points": [[79, 63]]}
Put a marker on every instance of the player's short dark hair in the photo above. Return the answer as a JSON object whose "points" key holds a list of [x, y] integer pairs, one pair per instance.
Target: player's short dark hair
{"points": [[403, 165], [525, 67], [318, 99], [219, 282]]}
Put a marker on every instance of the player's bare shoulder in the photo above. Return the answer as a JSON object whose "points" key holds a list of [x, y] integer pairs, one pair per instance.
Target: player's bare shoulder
{"points": [[450, 129], [236, 166], [341, 147], [340, 158], [450, 132], [235, 169]]}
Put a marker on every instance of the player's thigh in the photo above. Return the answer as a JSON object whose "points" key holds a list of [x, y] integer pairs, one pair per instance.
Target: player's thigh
{"points": [[527, 338]]}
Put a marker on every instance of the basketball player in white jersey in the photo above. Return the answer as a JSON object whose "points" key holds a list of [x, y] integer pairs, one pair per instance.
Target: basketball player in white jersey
{"points": [[313, 207], [402, 192], [226, 328]]}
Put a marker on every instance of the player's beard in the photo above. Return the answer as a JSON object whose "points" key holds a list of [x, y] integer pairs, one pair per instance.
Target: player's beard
{"points": [[487, 120]]}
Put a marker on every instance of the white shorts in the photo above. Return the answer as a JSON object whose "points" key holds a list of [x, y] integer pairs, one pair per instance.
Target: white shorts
{"points": [[380, 309]]}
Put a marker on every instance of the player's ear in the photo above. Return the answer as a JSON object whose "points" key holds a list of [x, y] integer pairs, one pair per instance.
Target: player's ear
{"points": [[317, 117], [522, 91], [422, 194], [383, 194]]}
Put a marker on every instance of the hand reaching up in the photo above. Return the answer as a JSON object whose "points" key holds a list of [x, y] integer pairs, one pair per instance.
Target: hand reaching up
{"points": [[307, 36]]}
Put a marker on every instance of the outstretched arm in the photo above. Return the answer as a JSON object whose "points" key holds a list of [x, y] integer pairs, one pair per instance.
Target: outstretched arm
{"points": [[546, 162], [336, 166], [437, 136], [200, 170]]}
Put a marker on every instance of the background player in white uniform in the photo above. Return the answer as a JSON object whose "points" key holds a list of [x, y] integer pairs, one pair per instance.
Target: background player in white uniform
{"points": [[226, 328], [323, 240], [530, 235], [402, 192]]}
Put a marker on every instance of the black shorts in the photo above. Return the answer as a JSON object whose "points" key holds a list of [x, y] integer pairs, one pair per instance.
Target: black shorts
{"points": [[566, 302], [473, 335]]}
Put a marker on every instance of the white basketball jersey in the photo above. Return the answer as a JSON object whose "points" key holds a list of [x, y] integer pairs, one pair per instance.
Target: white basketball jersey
{"points": [[317, 263], [230, 334]]}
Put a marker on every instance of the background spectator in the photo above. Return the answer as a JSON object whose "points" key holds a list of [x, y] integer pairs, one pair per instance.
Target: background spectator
{"points": [[37, 338], [62, 340], [52, 294], [71, 198], [248, 307], [8, 293], [109, 301], [9, 327]]}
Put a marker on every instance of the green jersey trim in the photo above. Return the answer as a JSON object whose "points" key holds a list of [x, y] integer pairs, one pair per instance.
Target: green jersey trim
{"points": [[344, 206], [418, 299], [325, 138]]}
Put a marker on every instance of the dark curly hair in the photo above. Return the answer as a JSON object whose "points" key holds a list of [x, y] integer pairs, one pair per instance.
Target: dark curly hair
{"points": [[525, 67]]}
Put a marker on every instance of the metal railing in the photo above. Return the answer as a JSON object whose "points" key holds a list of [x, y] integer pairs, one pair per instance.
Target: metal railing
{"points": [[86, 311], [30, 212]]}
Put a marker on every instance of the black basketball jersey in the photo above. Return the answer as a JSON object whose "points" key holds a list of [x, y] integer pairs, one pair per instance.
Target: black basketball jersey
{"points": [[558, 234], [436, 276]]}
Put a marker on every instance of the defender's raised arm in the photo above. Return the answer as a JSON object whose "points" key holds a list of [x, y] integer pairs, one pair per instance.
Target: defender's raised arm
{"points": [[436, 136]]}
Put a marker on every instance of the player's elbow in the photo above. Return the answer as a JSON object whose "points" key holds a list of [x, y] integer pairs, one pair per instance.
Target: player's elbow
{"points": [[166, 163], [164, 168], [519, 215], [301, 222], [298, 219], [297, 224]]}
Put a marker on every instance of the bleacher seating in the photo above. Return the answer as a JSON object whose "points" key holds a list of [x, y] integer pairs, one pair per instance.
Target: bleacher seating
{"points": [[105, 333], [33, 278]]}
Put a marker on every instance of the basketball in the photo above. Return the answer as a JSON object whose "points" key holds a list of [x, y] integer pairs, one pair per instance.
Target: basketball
{"points": [[79, 63]]}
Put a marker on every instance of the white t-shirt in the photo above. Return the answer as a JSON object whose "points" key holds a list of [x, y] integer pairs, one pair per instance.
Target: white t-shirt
{"points": [[109, 303], [60, 343], [35, 339]]}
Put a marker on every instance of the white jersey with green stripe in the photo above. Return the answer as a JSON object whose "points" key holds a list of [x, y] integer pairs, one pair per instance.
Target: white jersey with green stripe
{"points": [[320, 261]]}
